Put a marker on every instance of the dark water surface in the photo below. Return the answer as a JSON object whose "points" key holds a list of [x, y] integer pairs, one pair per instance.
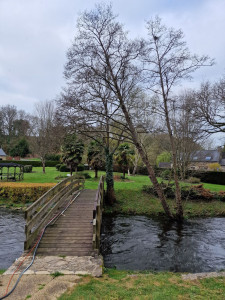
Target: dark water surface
{"points": [[140, 243], [11, 236]]}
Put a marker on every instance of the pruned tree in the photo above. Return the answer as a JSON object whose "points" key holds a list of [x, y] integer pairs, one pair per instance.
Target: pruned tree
{"points": [[123, 156], [95, 156], [72, 152], [167, 62]]}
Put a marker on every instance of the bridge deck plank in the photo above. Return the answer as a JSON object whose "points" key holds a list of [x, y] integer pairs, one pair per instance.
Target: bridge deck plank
{"points": [[72, 233]]}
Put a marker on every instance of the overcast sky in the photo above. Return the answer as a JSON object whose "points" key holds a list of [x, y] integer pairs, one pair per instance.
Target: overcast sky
{"points": [[35, 35]]}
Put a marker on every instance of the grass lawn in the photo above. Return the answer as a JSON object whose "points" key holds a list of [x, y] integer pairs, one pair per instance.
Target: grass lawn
{"points": [[158, 286], [130, 198]]}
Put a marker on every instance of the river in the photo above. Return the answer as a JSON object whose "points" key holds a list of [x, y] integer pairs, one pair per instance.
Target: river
{"points": [[141, 243], [138, 243], [11, 236]]}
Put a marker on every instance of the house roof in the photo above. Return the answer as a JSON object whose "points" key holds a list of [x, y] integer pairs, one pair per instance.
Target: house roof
{"points": [[2, 153], [205, 156], [165, 165], [222, 162]]}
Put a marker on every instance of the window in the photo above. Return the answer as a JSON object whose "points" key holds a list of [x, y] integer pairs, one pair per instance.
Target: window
{"points": [[208, 158], [195, 157]]}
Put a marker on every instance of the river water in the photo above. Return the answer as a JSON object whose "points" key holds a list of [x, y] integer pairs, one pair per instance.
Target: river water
{"points": [[138, 243], [11, 236], [141, 243]]}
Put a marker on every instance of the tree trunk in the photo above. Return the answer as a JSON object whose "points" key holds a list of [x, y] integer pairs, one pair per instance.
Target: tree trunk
{"points": [[134, 135], [75, 168], [151, 172], [110, 193], [71, 170], [96, 173], [43, 166], [124, 173], [134, 170]]}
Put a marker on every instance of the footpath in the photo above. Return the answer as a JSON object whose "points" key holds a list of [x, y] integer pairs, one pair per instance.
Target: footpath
{"points": [[49, 276]]}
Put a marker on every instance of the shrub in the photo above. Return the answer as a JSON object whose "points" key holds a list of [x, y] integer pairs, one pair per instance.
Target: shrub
{"points": [[221, 196], [193, 180], [27, 169], [84, 175], [58, 166], [53, 157], [195, 192], [166, 174], [24, 192], [64, 168]]}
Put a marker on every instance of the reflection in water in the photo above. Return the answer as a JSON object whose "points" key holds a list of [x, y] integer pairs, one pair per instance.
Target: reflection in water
{"points": [[11, 236], [140, 243]]}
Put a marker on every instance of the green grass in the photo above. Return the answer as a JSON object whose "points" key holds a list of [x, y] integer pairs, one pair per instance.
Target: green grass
{"points": [[56, 274], [130, 198], [158, 286], [37, 175], [2, 271]]}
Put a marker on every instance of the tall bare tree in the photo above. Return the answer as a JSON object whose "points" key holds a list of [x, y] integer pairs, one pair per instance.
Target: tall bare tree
{"points": [[187, 129], [102, 54], [167, 62], [44, 140]]}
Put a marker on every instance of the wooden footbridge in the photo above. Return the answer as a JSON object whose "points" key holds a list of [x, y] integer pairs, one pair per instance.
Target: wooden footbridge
{"points": [[76, 231]]}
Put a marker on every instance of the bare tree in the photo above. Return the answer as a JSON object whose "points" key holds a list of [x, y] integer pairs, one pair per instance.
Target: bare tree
{"points": [[187, 129], [44, 137], [211, 106], [102, 54], [167, 62]]}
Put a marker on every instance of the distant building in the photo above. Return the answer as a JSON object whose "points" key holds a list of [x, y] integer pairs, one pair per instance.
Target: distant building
{"points": [[201, 159], [2, 155], [165, 165]]}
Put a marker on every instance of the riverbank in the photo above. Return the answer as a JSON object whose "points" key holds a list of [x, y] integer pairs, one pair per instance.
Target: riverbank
{"points": [[136, 202], [131, 200], [146, 285]]}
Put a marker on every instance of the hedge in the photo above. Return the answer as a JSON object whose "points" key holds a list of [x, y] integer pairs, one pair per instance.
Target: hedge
{"points": [[24, 192], [64, 168], [210, 177], [33, 163]]}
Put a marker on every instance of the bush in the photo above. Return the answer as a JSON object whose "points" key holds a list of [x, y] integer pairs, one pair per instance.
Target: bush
{"points": [[195, 192], [64, 168], [24, 192], [27, 169], [221, 196], [166, 174], [84, 175], [53, 157], [193, 180], [58, 166]]}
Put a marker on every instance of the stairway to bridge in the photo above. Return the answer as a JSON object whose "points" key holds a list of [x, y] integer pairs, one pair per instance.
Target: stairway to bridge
{"points": [[72, 233]]}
